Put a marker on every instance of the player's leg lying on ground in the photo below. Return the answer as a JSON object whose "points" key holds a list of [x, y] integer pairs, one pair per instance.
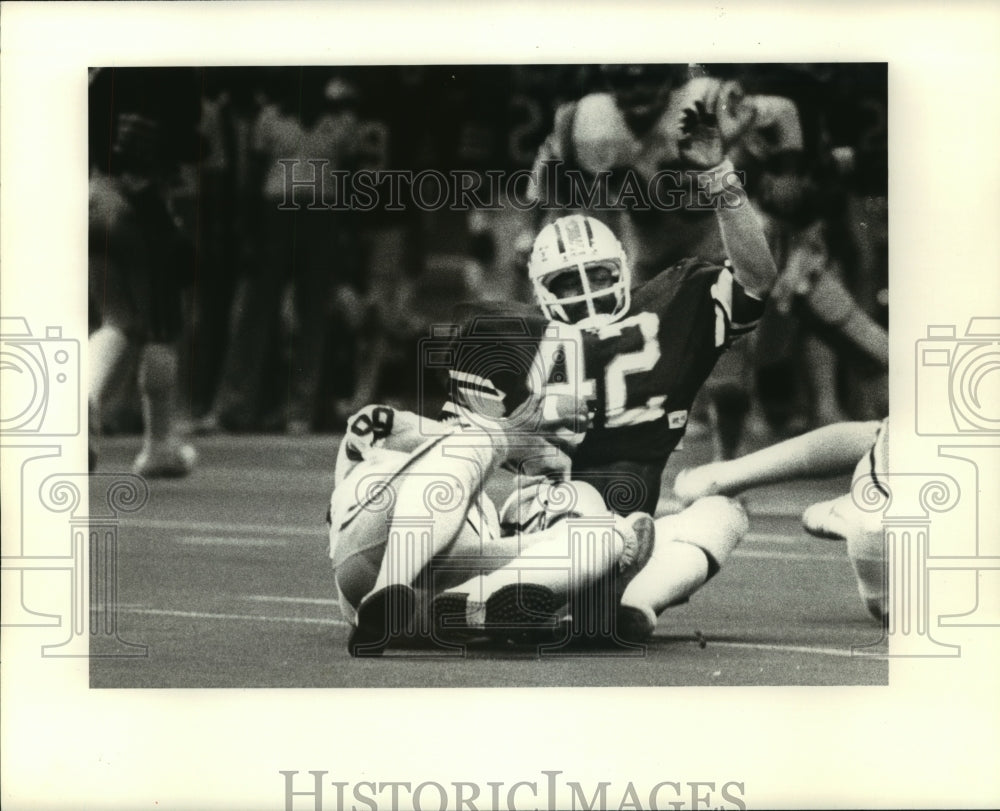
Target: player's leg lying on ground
{"points": [[841, 519], [691, 547], [394, 512], [826, 451], [583, 545]]}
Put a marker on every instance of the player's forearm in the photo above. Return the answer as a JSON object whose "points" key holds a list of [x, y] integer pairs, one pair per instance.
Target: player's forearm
{"points": [[830, 303], [746, 245]]}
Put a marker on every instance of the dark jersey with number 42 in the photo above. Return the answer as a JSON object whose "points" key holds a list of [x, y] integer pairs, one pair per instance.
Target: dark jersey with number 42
{"points": [[639, 374]]}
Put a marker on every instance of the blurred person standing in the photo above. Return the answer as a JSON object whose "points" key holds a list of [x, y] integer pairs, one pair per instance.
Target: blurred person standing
{"points": [[143, 122], [219, 202], [392, 138], [813, 320], [305, 131]]}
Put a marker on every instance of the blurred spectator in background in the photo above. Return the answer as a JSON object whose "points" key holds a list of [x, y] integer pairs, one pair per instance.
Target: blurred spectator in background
{"points": [[142, 123], [295, 318], [218, 204], [298, 137], [798, 187], [375, 304], [858, 116], [772, 122]]}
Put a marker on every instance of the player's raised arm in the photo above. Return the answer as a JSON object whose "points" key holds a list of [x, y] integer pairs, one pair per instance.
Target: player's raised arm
{"points": [[742, 233]]}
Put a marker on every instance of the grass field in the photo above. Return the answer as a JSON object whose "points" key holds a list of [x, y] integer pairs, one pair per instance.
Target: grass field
{"points": [[224, 576]]}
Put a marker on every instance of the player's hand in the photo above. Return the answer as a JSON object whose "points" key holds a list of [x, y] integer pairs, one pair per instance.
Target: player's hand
{"points": [[728, 101], [560, 418], [701, 140]]}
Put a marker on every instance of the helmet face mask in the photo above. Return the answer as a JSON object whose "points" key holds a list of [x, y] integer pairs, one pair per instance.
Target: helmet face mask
{"points": [[580, 273]]}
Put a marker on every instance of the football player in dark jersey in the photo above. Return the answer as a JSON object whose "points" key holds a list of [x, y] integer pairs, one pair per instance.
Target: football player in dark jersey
{"points": [[647, 351], [628, 139], [643, 355]]}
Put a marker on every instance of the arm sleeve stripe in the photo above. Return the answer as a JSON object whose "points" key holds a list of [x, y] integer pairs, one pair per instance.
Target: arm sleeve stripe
{"points": [[474, 383], [736, 312]]}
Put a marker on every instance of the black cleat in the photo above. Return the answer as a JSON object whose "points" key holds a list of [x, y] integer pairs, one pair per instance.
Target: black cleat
{"points": [[450, 614], [513, 608], [633, 625], [388, 613], [521, 605], [639, 532]]}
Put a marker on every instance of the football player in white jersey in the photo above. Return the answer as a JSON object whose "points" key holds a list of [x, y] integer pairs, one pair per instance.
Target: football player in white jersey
{"points": [[409, 493], [826, 451]]}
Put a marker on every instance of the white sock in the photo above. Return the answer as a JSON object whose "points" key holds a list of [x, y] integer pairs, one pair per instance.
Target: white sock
{"points": [[107, 347]]}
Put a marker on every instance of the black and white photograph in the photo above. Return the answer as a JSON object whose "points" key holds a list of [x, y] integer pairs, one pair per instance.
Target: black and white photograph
{"points": [[649, 301], [379, 379]]}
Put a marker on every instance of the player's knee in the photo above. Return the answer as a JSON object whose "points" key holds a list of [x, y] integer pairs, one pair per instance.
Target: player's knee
{"points": [[571, 499], [716, 524], [123, 320], [356, 576], [727, 516], [536, 505]]}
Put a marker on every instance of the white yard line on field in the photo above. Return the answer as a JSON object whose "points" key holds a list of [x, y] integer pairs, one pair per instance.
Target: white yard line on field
{"points": [[230, 529], [211, 615], [843, 653], [261, 598], [214, 540], [223, 532]]}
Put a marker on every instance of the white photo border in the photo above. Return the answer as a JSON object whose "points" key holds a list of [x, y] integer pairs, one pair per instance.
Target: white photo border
{"points": [[929, 739]]}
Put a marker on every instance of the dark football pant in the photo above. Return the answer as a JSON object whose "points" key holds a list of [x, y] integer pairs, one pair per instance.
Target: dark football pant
{"points": [[625, 486]]}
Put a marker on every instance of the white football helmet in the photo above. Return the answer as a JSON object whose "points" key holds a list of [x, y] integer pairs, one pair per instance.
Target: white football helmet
{"points": [[567, 257]]}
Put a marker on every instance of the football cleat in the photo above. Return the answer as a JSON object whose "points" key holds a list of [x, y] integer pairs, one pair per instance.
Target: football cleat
{"points": [[639, 533], [388, 613], [515, 607], [173, 460], [634, 624]]}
